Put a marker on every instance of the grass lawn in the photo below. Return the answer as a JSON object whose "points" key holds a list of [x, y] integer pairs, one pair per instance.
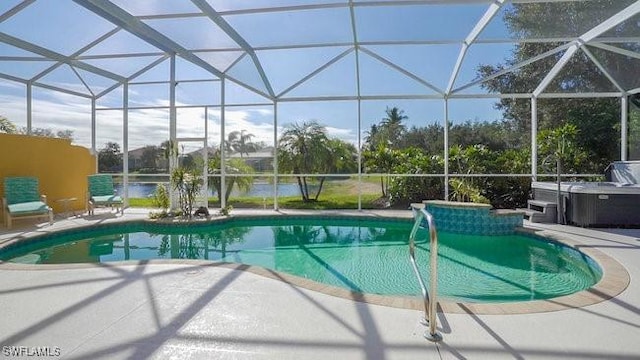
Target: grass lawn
{"points": [[335, 195]]}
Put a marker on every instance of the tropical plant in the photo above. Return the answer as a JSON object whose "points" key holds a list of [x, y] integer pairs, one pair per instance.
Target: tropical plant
{"points": [[391, 126], [234, 170], [381, 160], [303, 149], [407, 189], [463, 190], [188, 183], [558, 146], [240, 142], [389, 132], [161, 197]]}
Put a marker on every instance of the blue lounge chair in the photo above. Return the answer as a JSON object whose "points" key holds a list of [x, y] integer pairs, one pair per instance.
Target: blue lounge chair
{"points": [[101, 193], [22, 199]]}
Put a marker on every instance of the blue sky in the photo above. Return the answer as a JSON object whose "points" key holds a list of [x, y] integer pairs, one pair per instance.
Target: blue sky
{"points": [[284, 67]]}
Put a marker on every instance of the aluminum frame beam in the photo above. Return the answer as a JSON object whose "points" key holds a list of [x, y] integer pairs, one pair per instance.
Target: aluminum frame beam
{"points": [[599, 29], [24, 45], [135, 26], [477, 29], [235, 36]]}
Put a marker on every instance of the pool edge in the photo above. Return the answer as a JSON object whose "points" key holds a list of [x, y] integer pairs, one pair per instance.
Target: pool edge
{"points": [[615, 278]]}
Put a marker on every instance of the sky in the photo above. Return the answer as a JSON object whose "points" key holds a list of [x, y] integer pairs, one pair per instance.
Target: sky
{"points": [[284, 68]]}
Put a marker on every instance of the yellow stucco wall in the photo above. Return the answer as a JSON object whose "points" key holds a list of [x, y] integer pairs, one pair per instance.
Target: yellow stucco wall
{"points": [[62, 168]]}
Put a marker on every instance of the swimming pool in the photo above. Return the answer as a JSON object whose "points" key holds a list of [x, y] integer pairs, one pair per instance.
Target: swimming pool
{"points": [[364, 255]]}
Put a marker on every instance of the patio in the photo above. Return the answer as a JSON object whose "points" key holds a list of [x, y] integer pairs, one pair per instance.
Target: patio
{"points": [[479, 98], [174, 309]]}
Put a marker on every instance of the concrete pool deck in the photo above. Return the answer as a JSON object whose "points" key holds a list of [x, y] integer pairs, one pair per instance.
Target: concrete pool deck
{"points": [[192, 311]]}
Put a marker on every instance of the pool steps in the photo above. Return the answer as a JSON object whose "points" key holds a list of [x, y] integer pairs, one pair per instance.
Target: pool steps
{"points": [[541, 211]]}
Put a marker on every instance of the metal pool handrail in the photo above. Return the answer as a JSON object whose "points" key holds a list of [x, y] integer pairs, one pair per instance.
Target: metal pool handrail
{"points": [[430, 303]]}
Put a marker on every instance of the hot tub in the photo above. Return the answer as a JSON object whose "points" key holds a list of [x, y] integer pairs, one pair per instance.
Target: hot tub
{"points": [[594, 204]]}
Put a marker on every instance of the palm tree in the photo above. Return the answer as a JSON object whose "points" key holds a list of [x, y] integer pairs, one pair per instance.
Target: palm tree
{"points": [[372, 138], [391, 127], [240, 141], [232, 167], [303, 149]]}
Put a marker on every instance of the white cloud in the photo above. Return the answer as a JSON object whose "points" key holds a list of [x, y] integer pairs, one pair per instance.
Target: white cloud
{"points": [[61, 111]]}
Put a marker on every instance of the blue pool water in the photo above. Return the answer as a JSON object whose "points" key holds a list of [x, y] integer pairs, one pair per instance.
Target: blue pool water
{"points": [[363, 255]]}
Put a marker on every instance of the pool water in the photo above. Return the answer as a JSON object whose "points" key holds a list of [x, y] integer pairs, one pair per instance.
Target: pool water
{"points": [[364, 255]]}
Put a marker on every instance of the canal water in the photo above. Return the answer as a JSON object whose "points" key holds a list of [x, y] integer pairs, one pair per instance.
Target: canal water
{"points": [[141, 190]]}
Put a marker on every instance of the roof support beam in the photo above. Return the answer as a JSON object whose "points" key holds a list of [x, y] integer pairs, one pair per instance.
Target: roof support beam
{"points": [[133, 76], [59, 89], [514, 67], [13, 78], [73, 56], [400, 69], [602, 69], [14, 10], [555, 70], [316, 71], [24, 45], [616, 49], [135, 26], [480, 25], [233, 34], [119, 17], [598, 30]]}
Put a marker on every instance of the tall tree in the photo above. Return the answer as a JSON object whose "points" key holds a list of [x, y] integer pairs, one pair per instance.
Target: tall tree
{"points": [[389, 132], [234, 169], [110, 158], [596, 118], [306, 149], [392, 128], [240, 141], [150, 154]]}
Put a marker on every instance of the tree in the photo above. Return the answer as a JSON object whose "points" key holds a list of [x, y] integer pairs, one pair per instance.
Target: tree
{"points": [[391, 126], [595, 118], [389, 132], [110, 158], [381, 160], [150, 154], [560, 147], [6, 126], [65, 134], [233, 167], [305, 149], [169, 151], [240, 141]]}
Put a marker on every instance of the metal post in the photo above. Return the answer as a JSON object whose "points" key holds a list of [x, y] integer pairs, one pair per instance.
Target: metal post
{"points": [[205, 157], [29, 106], [125, 142], [275, 155], [173, 129], [360, 154], [534, 138], [93, 131], [446, 148], [223, 185], [624, 113]]}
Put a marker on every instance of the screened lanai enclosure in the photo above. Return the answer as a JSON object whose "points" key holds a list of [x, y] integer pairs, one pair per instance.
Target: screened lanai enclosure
{"points": [[348, 104]]}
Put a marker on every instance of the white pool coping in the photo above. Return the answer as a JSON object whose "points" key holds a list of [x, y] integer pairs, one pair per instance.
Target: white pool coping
{"points": [[192, 310]]}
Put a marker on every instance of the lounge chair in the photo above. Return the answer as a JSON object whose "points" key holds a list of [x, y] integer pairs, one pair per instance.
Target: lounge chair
{"points": [[101, 193], [22, 199]]}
